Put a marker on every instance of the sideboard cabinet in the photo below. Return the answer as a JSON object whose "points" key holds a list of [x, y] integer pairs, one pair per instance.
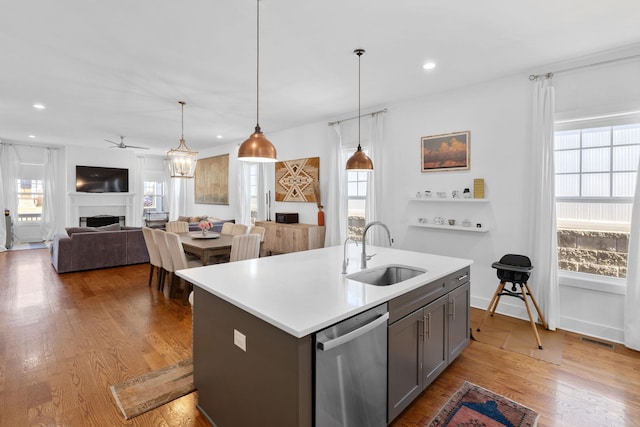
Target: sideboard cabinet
{"points": [[286, 238]]}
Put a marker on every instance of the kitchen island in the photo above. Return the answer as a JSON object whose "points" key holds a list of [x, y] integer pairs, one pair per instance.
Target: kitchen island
{"points": [[254, 323]]}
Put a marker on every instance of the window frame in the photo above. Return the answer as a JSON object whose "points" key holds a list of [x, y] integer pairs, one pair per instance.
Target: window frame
{"points": [[19, 193], [582, 280]]}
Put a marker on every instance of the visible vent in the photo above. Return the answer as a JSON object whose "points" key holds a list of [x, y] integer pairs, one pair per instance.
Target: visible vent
{"points": [[597, 342]]}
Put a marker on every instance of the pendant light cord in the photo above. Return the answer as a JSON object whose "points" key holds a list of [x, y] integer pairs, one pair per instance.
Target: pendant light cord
{"points": [[257, 66], [359, 52], [182, 120]]}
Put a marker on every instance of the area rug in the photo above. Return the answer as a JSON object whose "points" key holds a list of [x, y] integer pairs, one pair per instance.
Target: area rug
{"points": [[148, 391], [27, 246], [516, 335], [475, 406]]}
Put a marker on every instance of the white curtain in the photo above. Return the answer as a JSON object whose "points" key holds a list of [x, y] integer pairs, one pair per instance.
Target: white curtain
{"points": [[138, 198], [51, 223], [8, 174], [243, 215], [543, 237], [177, 188], [262, 192], [376, 235], [336, 208], [632, 298]]}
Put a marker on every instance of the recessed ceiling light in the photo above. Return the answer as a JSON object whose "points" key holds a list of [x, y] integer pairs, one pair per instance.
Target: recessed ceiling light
{"points": [[39, 106], [429, 65], [32, 136], [219, 136]]}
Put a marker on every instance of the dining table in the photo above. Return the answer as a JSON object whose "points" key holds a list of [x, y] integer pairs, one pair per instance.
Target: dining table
{"points": [[208, 247]]}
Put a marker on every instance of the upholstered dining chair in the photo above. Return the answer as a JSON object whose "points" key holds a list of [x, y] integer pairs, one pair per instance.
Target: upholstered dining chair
{"points": [[245, 246], [177, 227], [154, 253], [260, 231], [239, 229], [227, 228], [181, 262], [167, 263]]}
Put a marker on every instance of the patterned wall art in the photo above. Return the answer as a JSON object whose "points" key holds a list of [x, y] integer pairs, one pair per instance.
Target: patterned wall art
{"points": [[211, 184], [295, 180]]}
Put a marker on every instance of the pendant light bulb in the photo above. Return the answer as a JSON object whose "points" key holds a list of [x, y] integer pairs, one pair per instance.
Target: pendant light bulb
{"points": [[257, 148], [359, 161]]}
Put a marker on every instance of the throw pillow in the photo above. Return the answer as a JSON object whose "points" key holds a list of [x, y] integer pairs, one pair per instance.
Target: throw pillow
{"points": [[110, 227], [184, 218], [72, 230]]}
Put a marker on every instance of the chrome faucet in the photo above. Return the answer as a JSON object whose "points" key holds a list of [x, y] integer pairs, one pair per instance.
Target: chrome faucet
{"points": [[345, 259], [365, 257]]}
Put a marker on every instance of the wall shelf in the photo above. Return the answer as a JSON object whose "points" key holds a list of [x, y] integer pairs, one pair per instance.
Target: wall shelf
{"points": [[472, 229], [445, 199]]}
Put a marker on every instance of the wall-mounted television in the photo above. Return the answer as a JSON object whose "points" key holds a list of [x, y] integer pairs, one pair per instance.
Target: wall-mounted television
{"points": [[94, 179]]}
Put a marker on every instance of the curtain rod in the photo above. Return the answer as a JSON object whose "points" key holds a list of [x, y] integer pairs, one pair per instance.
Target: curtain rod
{"points": [[21, 144], [384, 110], [533, 77]]}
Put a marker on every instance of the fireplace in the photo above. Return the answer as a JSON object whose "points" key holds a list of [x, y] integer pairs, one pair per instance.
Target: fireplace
{"points": [[100, 220], [88, 205]]}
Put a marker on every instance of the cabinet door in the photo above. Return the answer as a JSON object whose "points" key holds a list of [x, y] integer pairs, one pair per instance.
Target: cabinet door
{"points": [[435, 340], [404, 363], [458, 320]]}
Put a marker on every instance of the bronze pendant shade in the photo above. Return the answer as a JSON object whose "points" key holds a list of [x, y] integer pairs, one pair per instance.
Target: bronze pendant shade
{"points": [[257, 148], [359, 161]]}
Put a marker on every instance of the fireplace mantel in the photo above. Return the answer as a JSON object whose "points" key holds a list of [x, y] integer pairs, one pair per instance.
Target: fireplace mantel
{"points": [[92, 204]]}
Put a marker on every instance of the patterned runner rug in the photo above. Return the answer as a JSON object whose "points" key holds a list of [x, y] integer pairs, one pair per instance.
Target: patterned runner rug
{"points": [[473, 405], [148, 391]]}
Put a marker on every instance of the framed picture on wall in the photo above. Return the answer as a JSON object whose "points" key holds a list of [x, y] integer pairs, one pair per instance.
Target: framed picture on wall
{"points": [[446, 152]]}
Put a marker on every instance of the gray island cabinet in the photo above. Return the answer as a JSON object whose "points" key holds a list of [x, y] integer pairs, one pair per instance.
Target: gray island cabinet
{"points": [[255, 322]]}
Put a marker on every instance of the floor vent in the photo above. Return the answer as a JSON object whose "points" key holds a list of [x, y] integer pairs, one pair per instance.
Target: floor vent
{"points": [[597, 342]]}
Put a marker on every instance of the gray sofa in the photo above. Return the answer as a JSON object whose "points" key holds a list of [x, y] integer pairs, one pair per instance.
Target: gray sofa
{"points": [[87, 248]]}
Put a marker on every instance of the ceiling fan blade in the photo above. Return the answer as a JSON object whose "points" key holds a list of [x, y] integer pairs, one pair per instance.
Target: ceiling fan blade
{"points": [[116, 143], [135, 146]]}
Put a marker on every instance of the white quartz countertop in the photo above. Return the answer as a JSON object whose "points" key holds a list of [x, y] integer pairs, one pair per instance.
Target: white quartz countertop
{"points": [[304, 292]]}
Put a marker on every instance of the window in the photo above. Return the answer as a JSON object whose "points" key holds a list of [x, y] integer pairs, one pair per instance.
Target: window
{"points": [[595, 176], [153, 196], [356, 196], [29, 192], [253, 191]]}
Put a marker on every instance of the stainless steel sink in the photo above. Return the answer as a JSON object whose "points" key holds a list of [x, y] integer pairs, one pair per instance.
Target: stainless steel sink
{"points": [[386, 275]]}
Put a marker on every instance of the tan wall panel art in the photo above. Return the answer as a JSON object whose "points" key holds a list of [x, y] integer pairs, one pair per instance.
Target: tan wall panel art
{"points": [[211, 184]]}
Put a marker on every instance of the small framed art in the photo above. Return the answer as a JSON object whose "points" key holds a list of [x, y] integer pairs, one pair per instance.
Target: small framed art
{"points": [[446, 152]]}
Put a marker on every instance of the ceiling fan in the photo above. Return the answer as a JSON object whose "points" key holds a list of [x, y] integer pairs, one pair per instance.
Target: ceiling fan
{"points": [[121, 144]]}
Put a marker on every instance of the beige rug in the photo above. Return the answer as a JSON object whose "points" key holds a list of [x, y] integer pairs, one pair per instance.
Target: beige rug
{"points": [[148, 391], [517, 335]]}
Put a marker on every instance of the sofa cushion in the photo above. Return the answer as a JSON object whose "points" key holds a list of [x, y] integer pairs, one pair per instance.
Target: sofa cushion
{"points": [[110, 227]]}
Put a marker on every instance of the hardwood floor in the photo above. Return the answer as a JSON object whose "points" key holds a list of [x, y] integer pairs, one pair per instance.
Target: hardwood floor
{"points": [[65, 339]]}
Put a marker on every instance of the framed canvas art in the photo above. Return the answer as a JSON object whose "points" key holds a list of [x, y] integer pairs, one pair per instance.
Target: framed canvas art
{"points": [[211, 180], [446, 152]]}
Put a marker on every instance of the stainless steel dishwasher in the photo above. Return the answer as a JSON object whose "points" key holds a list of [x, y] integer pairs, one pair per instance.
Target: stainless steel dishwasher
{"points": [[351, 371]]}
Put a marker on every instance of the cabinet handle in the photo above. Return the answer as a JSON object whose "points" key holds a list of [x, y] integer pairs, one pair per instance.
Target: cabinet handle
{"points": [[452, 308], [422, 330], [463, 277]]}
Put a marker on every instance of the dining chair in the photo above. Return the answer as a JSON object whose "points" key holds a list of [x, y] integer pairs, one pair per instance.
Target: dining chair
{"points": [[245, 246], [227, 228], [177, 227], [256, 229], [154, 253], [239, 229], [181, 262], [167, 262]]}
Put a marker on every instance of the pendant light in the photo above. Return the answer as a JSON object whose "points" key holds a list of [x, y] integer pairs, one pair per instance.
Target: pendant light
{"points": [[257, 147], [359, 161], [182, 161]]}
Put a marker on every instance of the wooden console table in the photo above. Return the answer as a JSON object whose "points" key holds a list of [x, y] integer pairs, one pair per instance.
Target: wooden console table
{"points": [[286, 238]]}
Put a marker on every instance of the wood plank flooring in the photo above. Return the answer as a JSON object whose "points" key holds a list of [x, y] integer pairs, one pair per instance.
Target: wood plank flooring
{"points": [[65, 339]]}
